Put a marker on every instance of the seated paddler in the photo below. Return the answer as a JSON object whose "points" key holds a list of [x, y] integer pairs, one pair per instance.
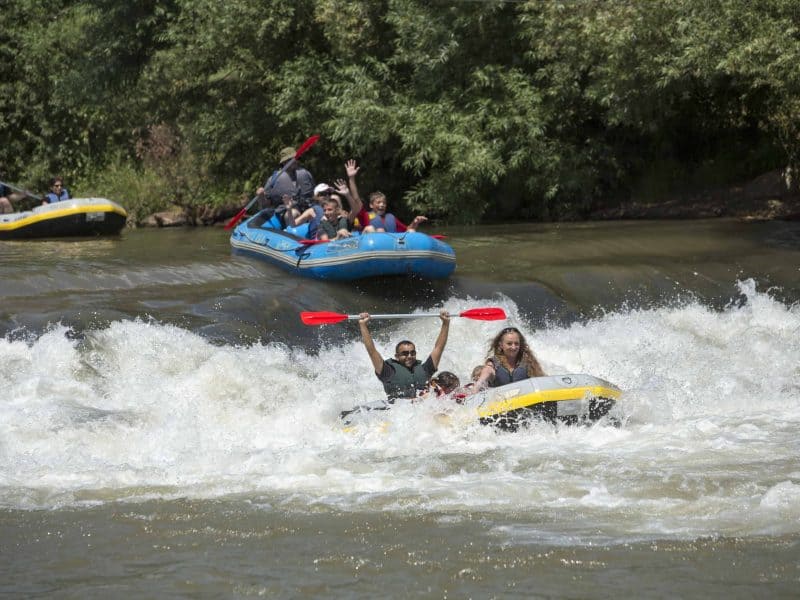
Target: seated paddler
{"points": [[403, 375]]}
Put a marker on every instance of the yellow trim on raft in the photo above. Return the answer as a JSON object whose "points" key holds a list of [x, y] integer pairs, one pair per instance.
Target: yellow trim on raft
{"points": [[576, 393], [63, 212]]}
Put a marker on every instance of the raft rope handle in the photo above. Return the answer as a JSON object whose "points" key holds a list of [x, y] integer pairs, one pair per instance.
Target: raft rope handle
{"points": [[265, 242]]}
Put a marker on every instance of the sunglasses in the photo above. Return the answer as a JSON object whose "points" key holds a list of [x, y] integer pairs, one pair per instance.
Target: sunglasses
{"points": [[407, 353]]}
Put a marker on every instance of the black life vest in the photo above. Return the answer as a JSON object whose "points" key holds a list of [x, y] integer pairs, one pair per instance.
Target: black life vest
{"points": [[502, 375], [405, 383]]}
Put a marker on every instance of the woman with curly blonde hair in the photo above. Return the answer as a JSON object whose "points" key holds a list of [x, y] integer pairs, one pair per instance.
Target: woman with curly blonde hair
{"points": [[510, 359]]}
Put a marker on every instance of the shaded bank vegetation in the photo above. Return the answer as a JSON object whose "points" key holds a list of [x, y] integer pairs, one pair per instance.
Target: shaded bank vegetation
{"points": [[461, 110]]}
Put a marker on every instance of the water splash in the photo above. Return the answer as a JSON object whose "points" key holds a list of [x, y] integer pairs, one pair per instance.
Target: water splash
{"points": [[145, 410]]}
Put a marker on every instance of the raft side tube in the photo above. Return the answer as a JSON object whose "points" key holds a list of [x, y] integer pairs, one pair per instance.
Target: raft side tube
{"points": [[569, 399]]}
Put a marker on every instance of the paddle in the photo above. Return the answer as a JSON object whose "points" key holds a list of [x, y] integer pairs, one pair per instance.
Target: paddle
{"points": [[328, 318], [305, 146], [21, 191]]}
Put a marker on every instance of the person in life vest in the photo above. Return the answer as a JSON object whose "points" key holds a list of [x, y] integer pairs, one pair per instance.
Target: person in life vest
{"points": [[403, 376], [294, 181], [333, 225], [337, 223], [377, 219], [57, 191], [510, 359]]}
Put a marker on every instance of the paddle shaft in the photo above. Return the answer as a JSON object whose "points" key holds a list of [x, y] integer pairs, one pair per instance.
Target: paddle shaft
{"points": [[328, 318], [396, 316], [21, 191]]}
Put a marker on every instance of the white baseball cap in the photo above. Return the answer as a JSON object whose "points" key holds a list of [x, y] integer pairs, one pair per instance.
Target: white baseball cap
{"points": [[322, 187]]}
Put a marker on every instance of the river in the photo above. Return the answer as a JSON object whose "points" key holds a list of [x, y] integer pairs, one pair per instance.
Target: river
{"points": [[168, 426]]}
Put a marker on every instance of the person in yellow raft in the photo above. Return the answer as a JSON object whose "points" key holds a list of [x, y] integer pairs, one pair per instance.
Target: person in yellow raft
{"points": [[510, 359], [403, 376]]}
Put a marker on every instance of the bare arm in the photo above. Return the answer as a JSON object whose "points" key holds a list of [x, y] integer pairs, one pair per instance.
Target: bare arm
{"points": [[441, 341], [352, 170], [487, 374], [355, 205], [418, 220], [374, 355]]}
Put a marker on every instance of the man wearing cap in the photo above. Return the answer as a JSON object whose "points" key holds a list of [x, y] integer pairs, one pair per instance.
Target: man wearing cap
{"points": [[294, 181]]}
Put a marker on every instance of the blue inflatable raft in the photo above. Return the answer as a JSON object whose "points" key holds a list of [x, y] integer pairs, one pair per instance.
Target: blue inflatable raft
{"points": [[362, 255]]}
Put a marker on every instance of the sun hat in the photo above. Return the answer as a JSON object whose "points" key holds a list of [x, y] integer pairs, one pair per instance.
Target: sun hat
{"points": [[286, 154]]}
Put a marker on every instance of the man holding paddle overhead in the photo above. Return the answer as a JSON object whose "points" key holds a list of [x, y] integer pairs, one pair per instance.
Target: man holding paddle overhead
{"points": [[403, 376]]}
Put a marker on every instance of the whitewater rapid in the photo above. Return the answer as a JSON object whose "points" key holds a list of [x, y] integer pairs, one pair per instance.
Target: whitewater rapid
{"points": [[141, 410]]}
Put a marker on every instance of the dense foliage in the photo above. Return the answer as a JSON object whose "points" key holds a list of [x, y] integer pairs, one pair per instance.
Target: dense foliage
{"points": [[458, 109]]}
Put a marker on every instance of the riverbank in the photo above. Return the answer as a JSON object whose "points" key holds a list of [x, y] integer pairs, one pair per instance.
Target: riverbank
{"points": [[765, 198]]}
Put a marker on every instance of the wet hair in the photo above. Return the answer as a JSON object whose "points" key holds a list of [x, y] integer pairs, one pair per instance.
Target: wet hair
{"points": [[476, 372], [446, 380], [527, 358], [53, 181], [403, 343]]}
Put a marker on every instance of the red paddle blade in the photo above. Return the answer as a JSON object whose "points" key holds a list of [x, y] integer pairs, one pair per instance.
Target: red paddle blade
{"points": [[321, 318], [306, 145], [236, 218], [484, 314]]}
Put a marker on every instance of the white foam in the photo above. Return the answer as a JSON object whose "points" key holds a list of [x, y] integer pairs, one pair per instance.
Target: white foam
{"points": [[141, 410]]}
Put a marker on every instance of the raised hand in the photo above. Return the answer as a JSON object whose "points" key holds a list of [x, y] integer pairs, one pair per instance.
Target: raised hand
{"points": [[340, 185], [352, 168]]}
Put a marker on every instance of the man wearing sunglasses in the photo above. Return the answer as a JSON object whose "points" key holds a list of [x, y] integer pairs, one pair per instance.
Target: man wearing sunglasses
{"points": [[403, 376], [57, 191]]}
